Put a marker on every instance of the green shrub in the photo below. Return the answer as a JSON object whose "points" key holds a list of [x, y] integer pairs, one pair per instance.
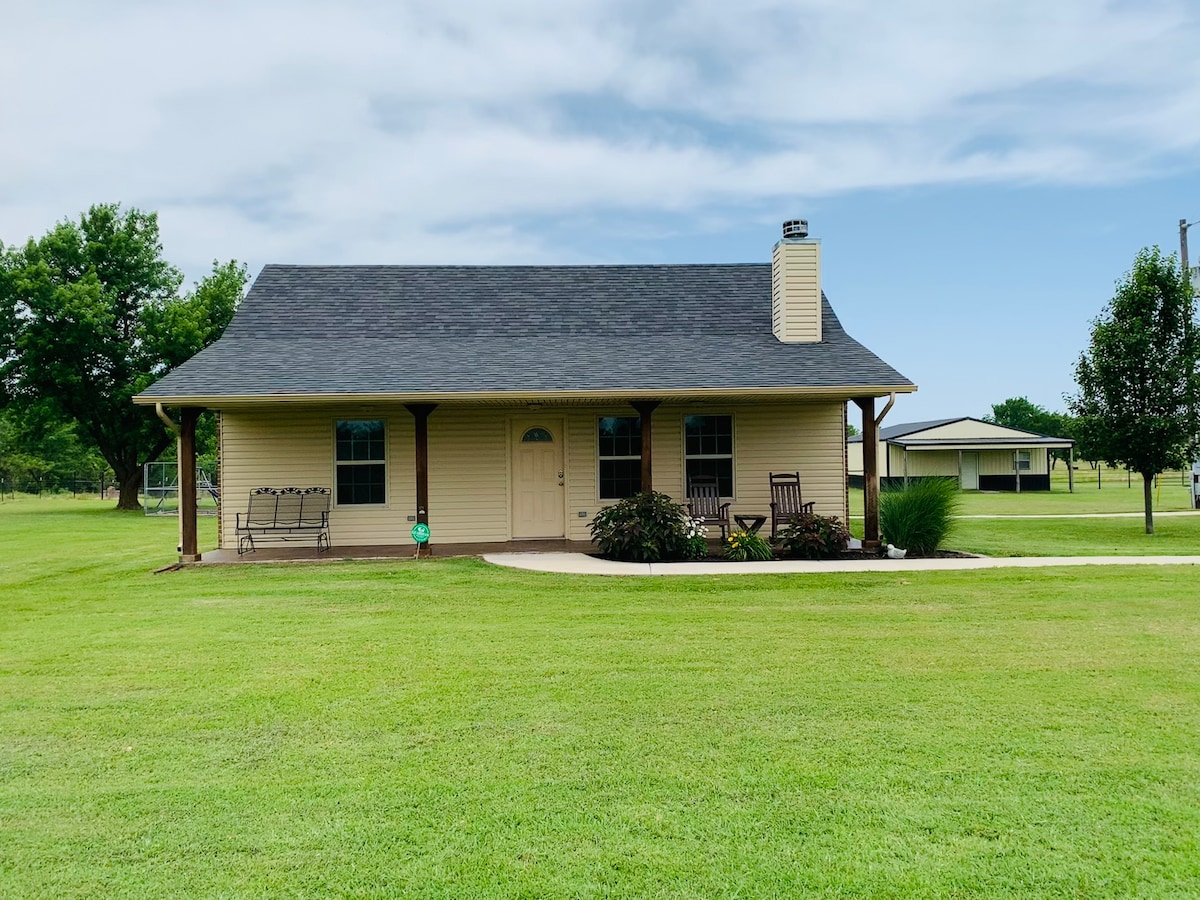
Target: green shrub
{"points": [[746, 545], [810, 536], [919, 517], [647, 527]]}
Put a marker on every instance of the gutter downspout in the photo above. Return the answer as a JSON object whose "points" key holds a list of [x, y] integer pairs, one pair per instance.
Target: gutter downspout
{"points": [[879, 418], [162, 414]]}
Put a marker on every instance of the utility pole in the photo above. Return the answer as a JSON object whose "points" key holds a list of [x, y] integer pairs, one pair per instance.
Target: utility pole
{"points": [[1183, 228]]}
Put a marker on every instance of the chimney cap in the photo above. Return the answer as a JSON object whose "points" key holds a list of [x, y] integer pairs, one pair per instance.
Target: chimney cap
{"points": [[795, 229]]}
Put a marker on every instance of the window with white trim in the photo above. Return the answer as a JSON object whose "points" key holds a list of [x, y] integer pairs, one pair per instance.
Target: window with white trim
{"points": [[620, 456], [708, 449], [361, 462], [1022, 460]]}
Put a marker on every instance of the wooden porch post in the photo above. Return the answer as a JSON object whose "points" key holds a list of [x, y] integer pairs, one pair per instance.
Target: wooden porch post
{"points": [[189, 550], [870, 430], [1071, 469], [420, 412], [645, 408]]}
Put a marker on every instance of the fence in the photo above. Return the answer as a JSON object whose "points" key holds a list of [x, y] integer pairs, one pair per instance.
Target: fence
{"points": [[160, 490], [77, 485]]}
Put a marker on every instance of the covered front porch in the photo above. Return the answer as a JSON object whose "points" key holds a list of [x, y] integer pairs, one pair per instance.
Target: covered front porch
{"points": [[521, 474]]}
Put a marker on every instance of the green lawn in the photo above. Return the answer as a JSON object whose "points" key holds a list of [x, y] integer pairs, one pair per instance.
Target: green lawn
{"points": [[1114, 494], [446, 729], [1173, 536]]}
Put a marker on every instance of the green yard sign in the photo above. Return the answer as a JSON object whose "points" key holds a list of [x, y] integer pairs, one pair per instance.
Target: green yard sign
{"points": [[420, 533]]}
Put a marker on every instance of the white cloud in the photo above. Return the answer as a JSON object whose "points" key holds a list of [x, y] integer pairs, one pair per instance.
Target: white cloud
{"points": [[374, 131]]}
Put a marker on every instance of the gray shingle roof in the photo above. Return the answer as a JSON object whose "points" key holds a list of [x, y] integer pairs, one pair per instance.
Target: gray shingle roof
{"points": [[534, 329], [895, 431]]}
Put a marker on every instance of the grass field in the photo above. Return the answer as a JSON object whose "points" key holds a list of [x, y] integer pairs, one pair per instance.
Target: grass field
{"points": [[446, 729], [1114, 494]]}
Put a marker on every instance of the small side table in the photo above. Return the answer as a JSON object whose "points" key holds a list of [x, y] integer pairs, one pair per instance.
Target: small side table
{"points": [[750, 522]]}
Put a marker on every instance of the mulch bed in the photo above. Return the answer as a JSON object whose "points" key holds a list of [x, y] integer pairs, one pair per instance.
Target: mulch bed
{"points": [[845, 554]]}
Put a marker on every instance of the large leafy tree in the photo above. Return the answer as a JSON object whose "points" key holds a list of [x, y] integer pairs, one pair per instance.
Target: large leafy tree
{"points": [[1139, 393], [1023, 413], [96, 316]]}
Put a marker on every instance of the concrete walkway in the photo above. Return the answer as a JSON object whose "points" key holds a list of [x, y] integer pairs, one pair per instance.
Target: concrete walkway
{"points": [[582, 564], [1094, 515]]}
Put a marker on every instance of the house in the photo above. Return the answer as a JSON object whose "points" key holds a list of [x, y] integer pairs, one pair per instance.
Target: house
{"points": [[980, 455], [498, 403]]}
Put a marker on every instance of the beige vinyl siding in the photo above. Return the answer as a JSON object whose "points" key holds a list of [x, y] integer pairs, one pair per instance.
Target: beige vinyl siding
{"points": [[289, 446], [1000, 462], [966, 431], [924, 462], [469, 461], [933, 462], [583, 462], [468, 474], [854, 458], [796, 291], [805, 437], [809, 438]]}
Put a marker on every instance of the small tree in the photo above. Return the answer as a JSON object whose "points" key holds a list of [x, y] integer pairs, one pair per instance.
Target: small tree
{"points": [[1139, 394]]}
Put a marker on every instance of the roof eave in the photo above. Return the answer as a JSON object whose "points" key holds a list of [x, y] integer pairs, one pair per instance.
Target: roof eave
{"points": [[960, 444], [830, 392]]}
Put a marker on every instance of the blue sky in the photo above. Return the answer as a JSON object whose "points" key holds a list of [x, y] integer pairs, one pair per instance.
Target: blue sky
{"points": [[980, 174]]}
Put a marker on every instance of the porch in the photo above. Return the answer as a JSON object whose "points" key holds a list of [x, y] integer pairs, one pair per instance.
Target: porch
{"points": [[306, 552], [473, 473]]}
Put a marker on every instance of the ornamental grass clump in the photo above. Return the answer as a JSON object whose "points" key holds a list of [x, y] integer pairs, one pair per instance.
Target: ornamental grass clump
{"points": [[741, 546], [809, 536], [647, 527], [918, 518]]}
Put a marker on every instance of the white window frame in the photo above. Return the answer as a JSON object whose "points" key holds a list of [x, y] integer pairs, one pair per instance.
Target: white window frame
{"points": [[731, 455], [599, 496], [1022, 465], [362, 462]]}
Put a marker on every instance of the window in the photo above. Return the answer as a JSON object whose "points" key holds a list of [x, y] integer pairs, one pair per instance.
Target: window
{"points": [[620, 457], [361, 471], [1022, 460], [708, 449], [537, 436]]}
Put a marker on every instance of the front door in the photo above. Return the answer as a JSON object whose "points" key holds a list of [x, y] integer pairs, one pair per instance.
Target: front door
{"points": [[537, 473], [970, 472]]}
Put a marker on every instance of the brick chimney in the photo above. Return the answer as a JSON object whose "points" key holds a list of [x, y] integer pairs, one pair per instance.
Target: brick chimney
{"points": [[796, 285]]}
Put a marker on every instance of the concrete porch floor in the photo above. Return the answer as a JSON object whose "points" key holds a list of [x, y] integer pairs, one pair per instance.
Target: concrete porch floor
{"points": [[306, 552]]}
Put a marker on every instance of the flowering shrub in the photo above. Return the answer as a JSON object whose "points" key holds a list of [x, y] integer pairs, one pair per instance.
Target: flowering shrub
{"points": [[810, 536], [746, 545], [695, 543], [647, 527]]}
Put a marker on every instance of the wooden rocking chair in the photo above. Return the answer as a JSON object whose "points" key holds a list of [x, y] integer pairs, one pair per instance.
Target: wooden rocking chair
{"points": [[786, 500], [704, 502]]}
